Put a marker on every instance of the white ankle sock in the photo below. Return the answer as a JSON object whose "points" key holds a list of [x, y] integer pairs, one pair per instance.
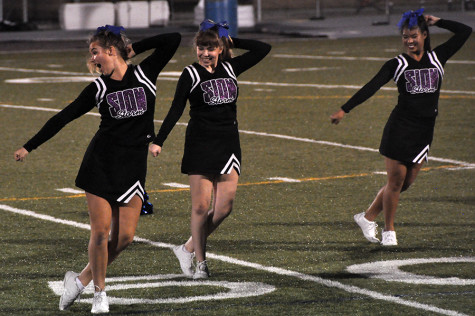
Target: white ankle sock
{"points": [[79, 284]]}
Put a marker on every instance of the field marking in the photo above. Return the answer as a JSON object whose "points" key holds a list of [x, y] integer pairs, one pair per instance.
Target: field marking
{"points": [[257, 266], [174, 77], [285, 179], [71, 190], [464, 62], [280, 136], [276, 180], [308, 69], [389, 271], [236, 289], [252, 83], [176, 185], [335, 86], [44, 71]]}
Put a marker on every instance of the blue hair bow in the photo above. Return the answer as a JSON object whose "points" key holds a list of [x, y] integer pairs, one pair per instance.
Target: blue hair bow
{"points": [[411, 16], [223, 27], [111, 28]]}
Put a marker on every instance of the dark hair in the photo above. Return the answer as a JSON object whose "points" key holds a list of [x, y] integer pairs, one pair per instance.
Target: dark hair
{"points": [[210, 37], [106, 39], [423, 27]]}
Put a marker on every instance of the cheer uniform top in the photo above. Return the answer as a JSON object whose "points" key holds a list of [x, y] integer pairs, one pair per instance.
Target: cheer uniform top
{"points": [[409, 131], [115, 163], [212, 139]]}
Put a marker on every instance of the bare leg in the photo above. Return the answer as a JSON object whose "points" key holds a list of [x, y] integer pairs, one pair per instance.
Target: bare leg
{"points": [[201, 188], [396, 175], [123, 223], [224, 192], [376, 207]]}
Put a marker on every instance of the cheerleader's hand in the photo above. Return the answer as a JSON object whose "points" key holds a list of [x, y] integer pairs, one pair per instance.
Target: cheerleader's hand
{"points": [[337, 116], [130, 51], [431, 20], [155, 150], [20, 154]]}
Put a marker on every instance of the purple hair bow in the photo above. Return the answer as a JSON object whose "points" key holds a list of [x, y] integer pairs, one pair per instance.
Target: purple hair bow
{"points": [[223, 27], [111, 28], [411, 16]]}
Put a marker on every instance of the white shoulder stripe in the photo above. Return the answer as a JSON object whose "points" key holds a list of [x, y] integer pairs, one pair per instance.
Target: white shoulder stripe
{"points": [[195, 77], [101, 90], [229, 69], [398, 67], [401, 67], [435, 61], [143, 79]]}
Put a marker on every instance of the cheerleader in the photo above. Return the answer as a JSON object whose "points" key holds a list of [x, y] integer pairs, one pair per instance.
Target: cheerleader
{"points": [[113, 170], [212, 155], [408, 133]]}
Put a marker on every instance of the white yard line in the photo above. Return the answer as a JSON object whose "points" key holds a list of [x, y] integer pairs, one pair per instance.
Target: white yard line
{"points": [[174, 76], [270, 269], [284, 179], [298, 139], [467, 62], [176, 185], [71, 190]]}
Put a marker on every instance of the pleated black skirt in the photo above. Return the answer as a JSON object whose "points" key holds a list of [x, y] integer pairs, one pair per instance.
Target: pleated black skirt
{"points": [[211, 151], [407, 139], [113, 172]]}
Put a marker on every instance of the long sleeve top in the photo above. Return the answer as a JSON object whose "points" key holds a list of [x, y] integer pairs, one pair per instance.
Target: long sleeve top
{"points": [[418, 82], [212, 96], [127, 106]]}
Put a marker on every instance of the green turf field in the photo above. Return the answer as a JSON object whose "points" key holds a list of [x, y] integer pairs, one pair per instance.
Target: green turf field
{"points": [[286, 247]]}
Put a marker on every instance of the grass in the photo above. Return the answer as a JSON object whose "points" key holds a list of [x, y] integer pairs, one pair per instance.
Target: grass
{"points": [[304, 227]]}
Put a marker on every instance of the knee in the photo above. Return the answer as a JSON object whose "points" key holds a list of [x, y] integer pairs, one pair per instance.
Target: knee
{"points": [[395, 186], [99, 238], [225, 210], [124, 242], [118, 245], [405, 186], [201, 210]]}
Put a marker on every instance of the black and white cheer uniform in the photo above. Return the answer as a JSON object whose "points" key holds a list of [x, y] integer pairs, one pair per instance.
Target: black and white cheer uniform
{"points": [[212, 139], [409, 131], [115, 162]]}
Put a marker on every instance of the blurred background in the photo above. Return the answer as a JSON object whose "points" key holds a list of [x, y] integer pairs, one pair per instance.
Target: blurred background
{"points": [[18, 15]]}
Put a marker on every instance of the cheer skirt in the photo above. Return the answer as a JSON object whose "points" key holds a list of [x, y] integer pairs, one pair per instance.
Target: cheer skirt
{"points": [[211, 150], [407, 139], [113, 172]]}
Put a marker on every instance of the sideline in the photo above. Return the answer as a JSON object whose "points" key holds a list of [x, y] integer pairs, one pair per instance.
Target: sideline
{"points": [[274, 270]]}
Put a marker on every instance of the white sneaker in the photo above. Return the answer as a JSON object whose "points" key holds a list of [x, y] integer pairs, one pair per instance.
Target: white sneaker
{"points": [[71, 291], [201, 270], [389, 238], [100, 303], [186, 260], [368, 227]]}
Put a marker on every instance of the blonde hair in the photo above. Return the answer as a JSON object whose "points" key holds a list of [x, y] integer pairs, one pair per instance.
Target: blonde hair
{"points": [[106, 39]]}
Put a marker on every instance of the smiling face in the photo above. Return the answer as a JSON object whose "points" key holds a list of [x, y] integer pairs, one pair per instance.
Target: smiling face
{"points": [[208, 56], [101, 59], [413, 40]]}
